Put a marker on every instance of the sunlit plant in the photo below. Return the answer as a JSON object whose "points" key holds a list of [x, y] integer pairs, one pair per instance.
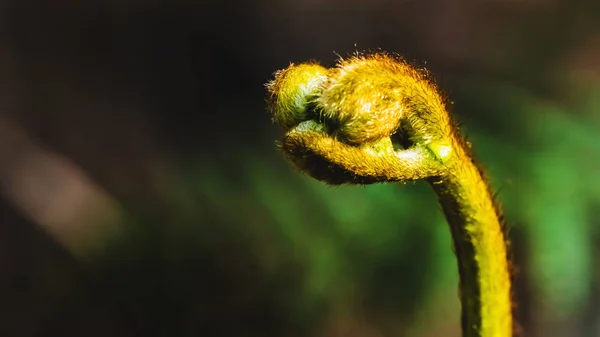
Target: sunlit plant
{"points": [[377, 119]]}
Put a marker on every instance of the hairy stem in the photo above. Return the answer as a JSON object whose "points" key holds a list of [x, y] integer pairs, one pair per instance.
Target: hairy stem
{"points": [[480, 247], [341, 122]]}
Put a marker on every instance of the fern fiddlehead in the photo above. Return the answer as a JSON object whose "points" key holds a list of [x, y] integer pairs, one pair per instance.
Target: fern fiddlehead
{"points": [[344, 125]]}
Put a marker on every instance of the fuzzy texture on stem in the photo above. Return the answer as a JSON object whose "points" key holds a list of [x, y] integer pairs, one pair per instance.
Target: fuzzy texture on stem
{"points": [[377, 119]]}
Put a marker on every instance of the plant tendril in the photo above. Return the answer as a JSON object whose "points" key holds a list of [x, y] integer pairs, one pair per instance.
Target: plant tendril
{"points": [[340, 123]]}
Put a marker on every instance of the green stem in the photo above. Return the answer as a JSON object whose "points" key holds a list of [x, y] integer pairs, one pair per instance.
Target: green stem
{"points": [[481, 250]]}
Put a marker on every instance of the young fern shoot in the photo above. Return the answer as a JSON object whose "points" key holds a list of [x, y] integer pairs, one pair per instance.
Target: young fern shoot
{"points": [[342, 126]]}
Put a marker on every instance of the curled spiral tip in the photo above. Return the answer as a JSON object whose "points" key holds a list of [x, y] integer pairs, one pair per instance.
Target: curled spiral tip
{"points": [[293, 90], [340, 120]]}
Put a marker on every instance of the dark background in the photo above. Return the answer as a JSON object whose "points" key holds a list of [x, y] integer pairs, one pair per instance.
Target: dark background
{"points": [[142, 193]]}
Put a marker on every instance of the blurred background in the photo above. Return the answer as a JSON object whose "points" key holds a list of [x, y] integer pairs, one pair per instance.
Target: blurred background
{"points": [[141, 193]]}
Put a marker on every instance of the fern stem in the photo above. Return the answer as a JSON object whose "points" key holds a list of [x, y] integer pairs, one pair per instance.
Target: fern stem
{"points": [[480, 248], [340, 124]]}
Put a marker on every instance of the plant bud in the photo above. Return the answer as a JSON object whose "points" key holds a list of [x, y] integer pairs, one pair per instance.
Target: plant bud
{"points": [[363, 99], [293, 90]]}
